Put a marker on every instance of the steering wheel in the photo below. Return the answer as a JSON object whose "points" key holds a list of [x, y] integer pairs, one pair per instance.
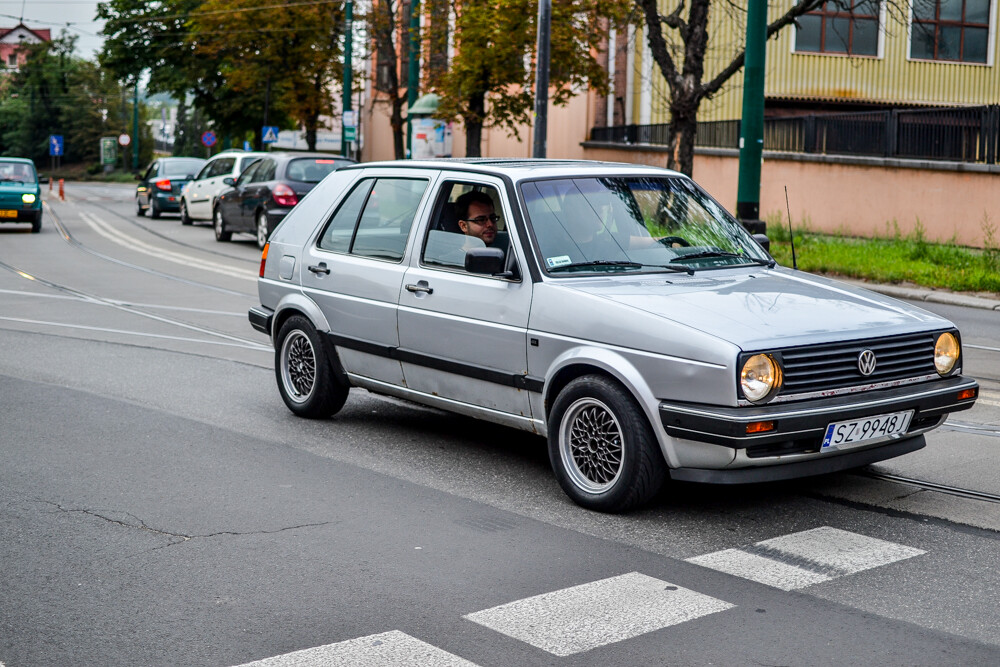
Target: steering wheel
{"points": [[670, 241]]}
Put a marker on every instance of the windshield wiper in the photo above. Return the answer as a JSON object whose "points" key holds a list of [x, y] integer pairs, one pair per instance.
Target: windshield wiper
{"points": [[598, 262], [769, 263]]}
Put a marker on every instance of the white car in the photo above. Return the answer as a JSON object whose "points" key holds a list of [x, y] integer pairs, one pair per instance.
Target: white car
{"points": [[199, 196]]}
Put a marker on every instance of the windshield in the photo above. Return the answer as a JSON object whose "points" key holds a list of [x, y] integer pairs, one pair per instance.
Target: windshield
{"points": [[181, 167], [312, 170], [634, 224], [18, 172]]}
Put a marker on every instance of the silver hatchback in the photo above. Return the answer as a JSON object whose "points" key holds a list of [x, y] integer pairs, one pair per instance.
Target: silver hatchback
{"points": [[616, 309]]}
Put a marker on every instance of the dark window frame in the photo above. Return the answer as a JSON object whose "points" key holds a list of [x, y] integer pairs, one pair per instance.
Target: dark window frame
{"points": [[937, 23], [827, 16]]}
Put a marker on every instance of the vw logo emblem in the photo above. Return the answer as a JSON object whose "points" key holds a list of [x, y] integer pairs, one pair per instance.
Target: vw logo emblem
{"points": [[866, 362]]}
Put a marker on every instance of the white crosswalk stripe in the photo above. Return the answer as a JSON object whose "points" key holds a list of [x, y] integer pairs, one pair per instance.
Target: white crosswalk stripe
{"points": [[584, 617], [802, 559], [388, 649]]}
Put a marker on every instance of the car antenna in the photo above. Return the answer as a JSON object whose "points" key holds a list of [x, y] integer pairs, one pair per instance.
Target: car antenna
{"points": [[791, 234]]}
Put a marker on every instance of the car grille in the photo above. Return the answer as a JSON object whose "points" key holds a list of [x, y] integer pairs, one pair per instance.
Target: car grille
{"points": [[835, 366]]}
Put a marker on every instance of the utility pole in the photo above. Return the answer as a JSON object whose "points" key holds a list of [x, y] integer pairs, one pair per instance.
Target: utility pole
{"points": [[542, 78], [752, 132], [413, 73], [135, 126], [345, 145]]}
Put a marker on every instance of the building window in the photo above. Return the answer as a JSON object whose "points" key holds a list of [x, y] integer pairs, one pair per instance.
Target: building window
{"points": [[12, 60], [840, 26], [956, 30]]}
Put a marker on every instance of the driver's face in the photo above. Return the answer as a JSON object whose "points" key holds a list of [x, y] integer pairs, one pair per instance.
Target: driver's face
{"points": [[478, 222]]}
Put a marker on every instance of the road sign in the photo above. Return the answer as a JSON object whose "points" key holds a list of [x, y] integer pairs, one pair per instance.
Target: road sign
{"points": [[350, 134], [270, 134], [124, 139], [247, 146], [350, 119], [208, 138], [109, 151], [55, 145]]}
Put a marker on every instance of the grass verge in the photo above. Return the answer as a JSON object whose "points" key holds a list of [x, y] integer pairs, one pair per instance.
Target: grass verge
{"points": [[894, 259]]}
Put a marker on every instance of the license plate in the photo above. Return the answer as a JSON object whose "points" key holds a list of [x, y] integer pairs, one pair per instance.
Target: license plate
{"points": [[844, 435], [8, 214]]}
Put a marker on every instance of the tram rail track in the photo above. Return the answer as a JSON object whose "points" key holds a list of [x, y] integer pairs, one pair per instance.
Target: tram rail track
{"points": [[932, 486]]}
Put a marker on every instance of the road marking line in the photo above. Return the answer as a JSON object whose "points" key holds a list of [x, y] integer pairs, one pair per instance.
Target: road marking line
{"points": [[802, 559], [117, 302], [602, 612], [132, 243], [248, 345], [388, 648]]}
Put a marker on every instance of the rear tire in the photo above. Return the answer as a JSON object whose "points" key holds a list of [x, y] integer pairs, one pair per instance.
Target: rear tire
{"points": [[185, 218], [139, 210], [219, 225], [154, 210], [262, 232], [306, 372], [601, 447]]}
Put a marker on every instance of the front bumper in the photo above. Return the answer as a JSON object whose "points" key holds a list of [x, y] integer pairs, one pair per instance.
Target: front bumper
{"points": [[798, 428], [22, 214]]}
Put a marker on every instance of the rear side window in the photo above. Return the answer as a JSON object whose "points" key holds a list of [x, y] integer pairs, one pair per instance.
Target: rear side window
{"points": [[223, 166], [375, 218], [312, 170], [265, 172]]}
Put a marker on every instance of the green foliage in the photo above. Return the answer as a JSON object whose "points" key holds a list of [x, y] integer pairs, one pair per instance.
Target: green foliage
{"points": [[58, 93], [896, 259]]}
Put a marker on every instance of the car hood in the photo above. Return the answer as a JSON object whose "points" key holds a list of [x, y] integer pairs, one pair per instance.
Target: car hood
{"points": [[762, 308]]}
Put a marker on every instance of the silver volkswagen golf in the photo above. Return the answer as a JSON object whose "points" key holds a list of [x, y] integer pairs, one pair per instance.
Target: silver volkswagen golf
{"points": [[617, 310]]}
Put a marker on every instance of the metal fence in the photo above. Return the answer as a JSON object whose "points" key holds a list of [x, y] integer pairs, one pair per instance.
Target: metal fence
{"points": [[969, 134]]}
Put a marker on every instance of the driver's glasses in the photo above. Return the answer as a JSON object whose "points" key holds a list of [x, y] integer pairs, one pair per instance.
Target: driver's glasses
{"points": [[483, 219]]}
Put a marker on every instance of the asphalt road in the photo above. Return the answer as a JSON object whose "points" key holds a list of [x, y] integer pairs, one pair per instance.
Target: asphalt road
{"points": [[161, 506]]}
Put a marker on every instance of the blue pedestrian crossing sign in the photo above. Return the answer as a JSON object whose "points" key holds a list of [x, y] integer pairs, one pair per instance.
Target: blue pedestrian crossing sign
{"points": [[270, 134], [55, 145]]}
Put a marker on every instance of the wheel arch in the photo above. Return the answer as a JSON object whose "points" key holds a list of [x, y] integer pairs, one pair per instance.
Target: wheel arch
{"points": [[616, 367], [299, 304]]}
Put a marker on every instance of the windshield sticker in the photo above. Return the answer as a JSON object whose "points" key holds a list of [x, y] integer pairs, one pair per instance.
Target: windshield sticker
{"points": [[561, 260]]}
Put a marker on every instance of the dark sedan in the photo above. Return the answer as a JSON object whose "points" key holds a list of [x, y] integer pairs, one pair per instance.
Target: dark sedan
{"points": [[264, 194], [159, 188]]}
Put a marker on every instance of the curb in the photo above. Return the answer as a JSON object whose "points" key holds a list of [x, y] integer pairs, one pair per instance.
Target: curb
{"points": [[930, 296]]}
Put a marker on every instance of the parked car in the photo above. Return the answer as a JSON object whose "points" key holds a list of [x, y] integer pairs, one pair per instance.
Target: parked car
{"points": [[263, 194], [617, 310], [20, 193], [199, 196], [159, 189]]}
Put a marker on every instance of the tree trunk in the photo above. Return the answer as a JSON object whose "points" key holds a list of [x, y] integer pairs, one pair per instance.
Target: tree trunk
{"points": [[396, 122], [473, 121], [683, 130]]}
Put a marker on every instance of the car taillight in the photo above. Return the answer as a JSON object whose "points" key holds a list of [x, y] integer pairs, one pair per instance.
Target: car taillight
{"points": [[163, 185], [263, 259], [284, 195]]}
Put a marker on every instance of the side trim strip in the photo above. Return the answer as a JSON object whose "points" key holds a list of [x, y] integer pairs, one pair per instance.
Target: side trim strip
{"points": [[519, 381]]}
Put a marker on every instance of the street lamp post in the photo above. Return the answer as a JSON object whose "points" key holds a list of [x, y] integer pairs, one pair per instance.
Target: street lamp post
{"points": [[752, 125], [542, 79]]}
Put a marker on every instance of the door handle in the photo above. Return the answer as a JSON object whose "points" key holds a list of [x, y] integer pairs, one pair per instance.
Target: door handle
{"points": [[320, 268], [420, 288]]}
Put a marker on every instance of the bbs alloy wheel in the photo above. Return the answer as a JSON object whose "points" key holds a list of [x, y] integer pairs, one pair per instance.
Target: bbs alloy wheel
{"points": [[601, 446], [306, 373]]}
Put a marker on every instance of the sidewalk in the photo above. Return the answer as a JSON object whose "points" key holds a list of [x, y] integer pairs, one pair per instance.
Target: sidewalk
{"points": [[983, 300]]}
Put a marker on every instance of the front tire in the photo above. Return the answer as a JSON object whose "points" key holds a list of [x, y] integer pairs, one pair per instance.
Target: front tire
{"points": [[601, 447], [185, 218], [307, 379], [219, 225], [36, 224], [262, 232]]}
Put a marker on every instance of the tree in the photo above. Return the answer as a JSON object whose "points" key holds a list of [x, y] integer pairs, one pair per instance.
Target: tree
{"points": [[490, 80], [384, 20], [678, 43]]}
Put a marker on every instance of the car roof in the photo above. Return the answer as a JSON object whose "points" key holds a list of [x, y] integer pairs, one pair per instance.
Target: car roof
{"points": [[524, 168], [19, 160]]}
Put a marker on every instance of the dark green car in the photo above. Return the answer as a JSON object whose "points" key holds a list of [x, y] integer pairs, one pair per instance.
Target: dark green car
{"points": [[20, 194]]}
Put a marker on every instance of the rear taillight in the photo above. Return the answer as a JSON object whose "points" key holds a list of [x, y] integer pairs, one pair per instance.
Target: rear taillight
{"points": [[163, 185], [263, 259], [284, 195]]}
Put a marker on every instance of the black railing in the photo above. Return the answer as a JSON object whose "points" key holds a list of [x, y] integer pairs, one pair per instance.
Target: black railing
{"points": [[970, 134]]}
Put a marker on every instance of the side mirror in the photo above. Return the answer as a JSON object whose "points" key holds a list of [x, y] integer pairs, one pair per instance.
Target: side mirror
{"points": [[763, 241], [487, 261], [229, 180], [138, 177]]}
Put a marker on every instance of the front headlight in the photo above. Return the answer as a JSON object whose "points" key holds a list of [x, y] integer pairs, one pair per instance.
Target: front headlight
{"points": [[760, 377], [946, 353], [28, 198]]}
